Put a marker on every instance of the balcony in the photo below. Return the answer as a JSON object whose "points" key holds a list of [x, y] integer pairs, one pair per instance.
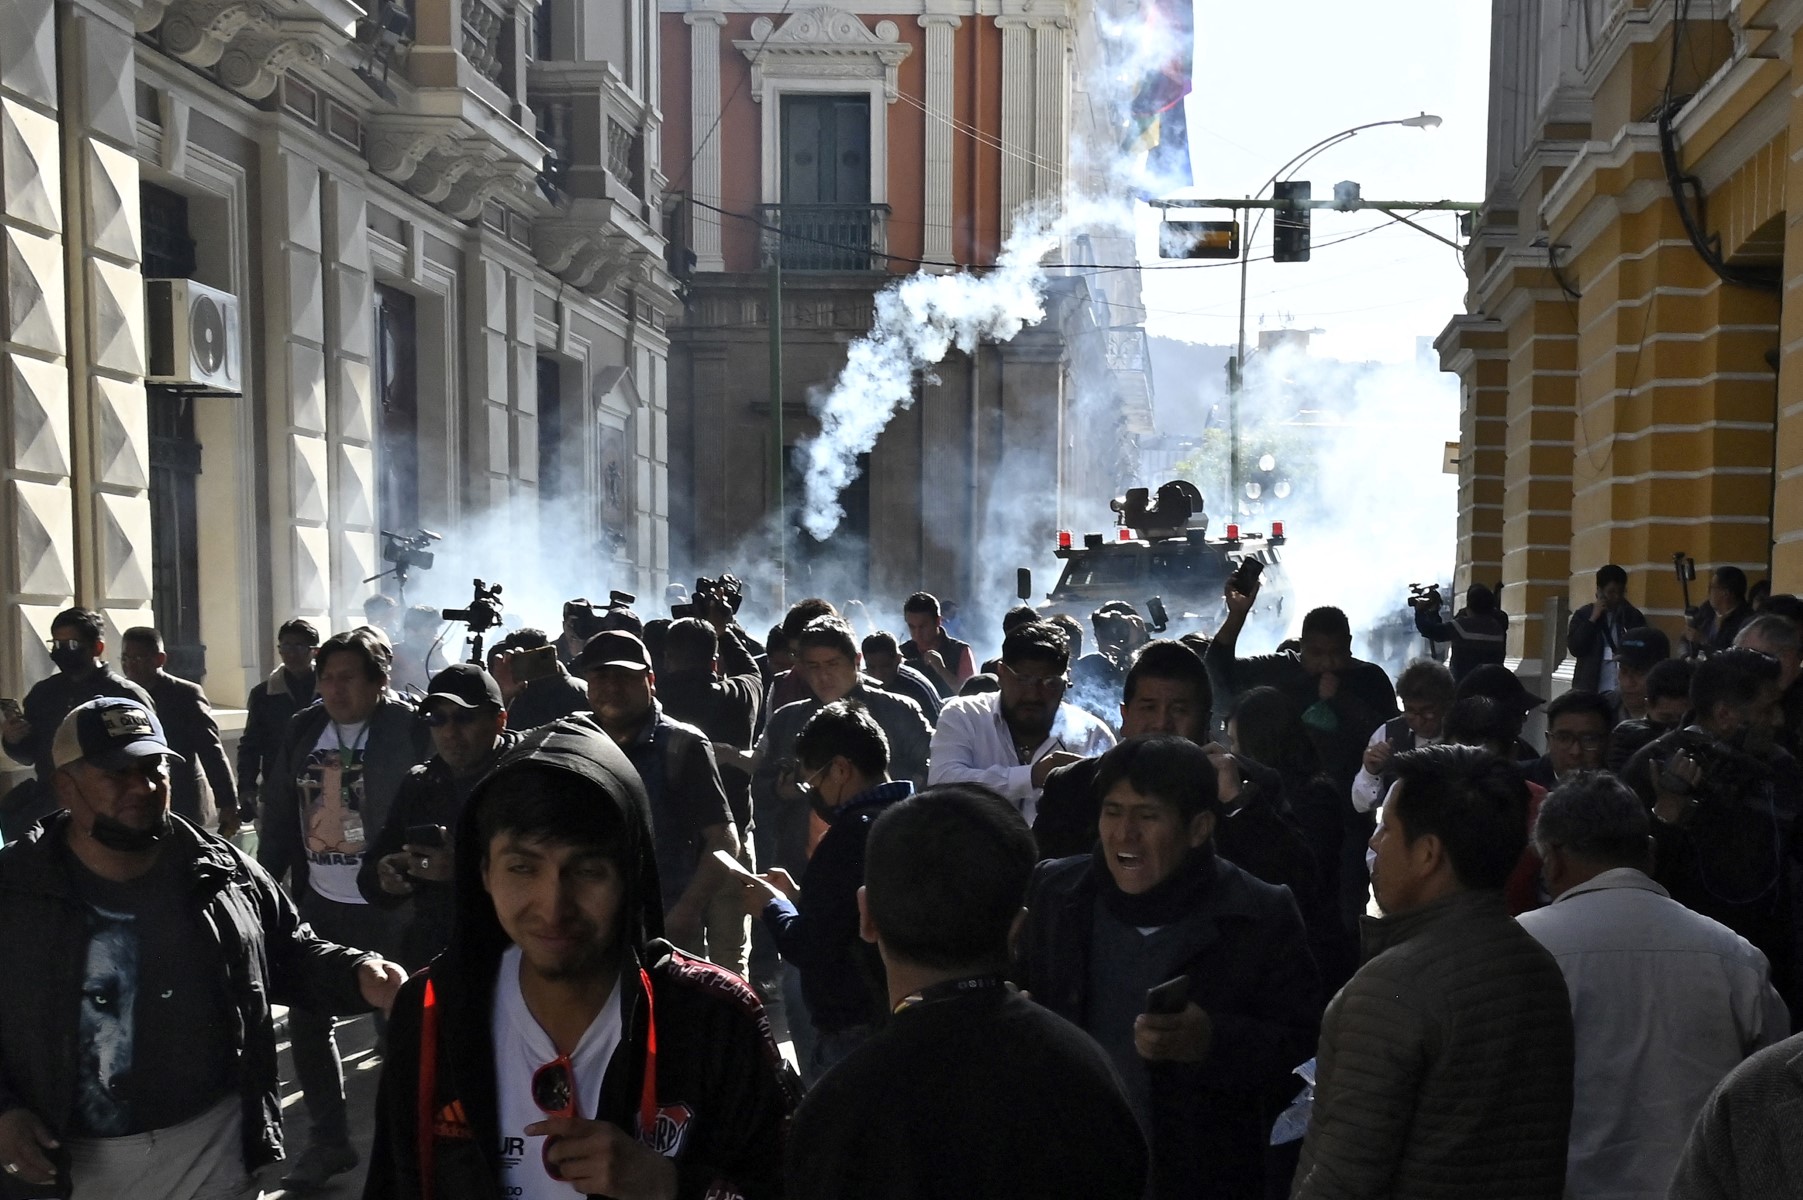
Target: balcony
{"points": [[826, 237]]}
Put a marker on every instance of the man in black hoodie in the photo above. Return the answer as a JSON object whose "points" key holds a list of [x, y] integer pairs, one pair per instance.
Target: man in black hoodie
{"points": [[559, 1035]]}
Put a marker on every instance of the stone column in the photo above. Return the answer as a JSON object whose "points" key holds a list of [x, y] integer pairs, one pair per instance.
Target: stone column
{"points": [[1787, 537], [294, 331], [1475, 349], [487, 367], [37, 569], [1018, 85], [109, 423], [1051, 105], [941, 88], [522, 352], [704, 135], [349, 305]]}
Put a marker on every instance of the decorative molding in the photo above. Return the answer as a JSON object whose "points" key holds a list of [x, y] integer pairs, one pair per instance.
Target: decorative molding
{"points": [[704, 137], [824, 43], [1017, 117]]}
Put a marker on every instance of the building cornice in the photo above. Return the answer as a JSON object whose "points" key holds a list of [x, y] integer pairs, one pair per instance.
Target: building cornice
{"points": [[824, 42], [1580, 202], [1748, 132]]}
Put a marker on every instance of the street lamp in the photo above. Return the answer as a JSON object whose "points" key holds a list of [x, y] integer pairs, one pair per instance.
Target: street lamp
{"points": [[1421, 121]]}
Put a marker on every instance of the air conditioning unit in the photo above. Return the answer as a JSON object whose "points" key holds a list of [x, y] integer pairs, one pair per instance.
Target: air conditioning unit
{"points": [[194, 337]]}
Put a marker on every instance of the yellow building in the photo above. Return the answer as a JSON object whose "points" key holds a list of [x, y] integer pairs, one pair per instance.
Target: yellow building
{"points": [[1632, 385]]}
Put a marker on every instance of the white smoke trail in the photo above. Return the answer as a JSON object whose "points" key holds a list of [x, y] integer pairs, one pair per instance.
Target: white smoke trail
{"points": [[918, 322]]}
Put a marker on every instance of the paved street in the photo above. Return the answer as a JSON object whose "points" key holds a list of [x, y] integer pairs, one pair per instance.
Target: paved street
{"points": [[362, 1070]]}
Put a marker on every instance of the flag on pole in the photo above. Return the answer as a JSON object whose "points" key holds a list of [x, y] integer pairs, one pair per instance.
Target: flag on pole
{"points": [[1160, 124]]}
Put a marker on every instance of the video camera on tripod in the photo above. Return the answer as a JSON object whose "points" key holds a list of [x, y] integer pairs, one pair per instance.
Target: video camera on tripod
{"points": [[482, 615], [407, 552]]}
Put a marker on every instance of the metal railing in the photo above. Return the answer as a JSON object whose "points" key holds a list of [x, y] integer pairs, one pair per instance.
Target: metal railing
{"points": [[826, 237]]}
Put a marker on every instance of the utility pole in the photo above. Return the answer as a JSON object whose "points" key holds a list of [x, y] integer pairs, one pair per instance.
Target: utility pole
{"points": [[778, 460]]}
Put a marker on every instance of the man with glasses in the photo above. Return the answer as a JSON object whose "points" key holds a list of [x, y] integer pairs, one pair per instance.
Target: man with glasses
{"points": [[826, 656], [411, 857], [271, 706], [188, 722], [1010, 740], [76, 646], [1577, 738], [139, 959], [561, 1047]]}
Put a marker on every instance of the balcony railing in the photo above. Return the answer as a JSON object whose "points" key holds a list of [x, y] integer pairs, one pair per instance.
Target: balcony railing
{"points": [[623, 155], [826, 237], [485, 26]]}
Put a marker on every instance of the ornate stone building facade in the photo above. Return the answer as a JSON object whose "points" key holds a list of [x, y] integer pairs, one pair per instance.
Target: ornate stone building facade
{"points": [[420, 284], [1632, 380], [861, 141]]}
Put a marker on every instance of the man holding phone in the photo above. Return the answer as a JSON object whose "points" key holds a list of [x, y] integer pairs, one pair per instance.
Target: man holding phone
{"points": [[1195, 977], [411, 857]]}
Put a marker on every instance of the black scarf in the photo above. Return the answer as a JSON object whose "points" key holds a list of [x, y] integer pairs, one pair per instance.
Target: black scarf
{"points": [[1175, 897]]}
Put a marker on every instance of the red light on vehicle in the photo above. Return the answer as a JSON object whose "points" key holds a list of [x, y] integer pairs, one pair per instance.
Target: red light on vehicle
{"points": [[1233, 533], [1276, 529], [1064, 539], [1126, 535]]}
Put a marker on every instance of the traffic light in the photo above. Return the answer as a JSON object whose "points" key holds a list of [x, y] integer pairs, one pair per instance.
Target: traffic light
{"points": [[1289, 233], [1199, 239]]}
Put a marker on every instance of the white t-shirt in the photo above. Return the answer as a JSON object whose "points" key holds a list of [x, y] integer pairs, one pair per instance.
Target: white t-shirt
{"points": [[330, 780], [521, 1048]]}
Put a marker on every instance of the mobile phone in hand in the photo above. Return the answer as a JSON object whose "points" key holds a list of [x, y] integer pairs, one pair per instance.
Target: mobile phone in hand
{"points": [[426, 835], [1168, 998]]}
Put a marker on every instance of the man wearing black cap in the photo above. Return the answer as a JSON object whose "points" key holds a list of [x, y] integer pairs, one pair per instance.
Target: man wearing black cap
{"points": [[139, 957], [412, 855], [689, 811], [1501, 685], [1637, 652]]}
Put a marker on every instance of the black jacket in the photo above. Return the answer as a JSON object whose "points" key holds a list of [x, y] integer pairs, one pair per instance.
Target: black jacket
{"points": [[723, 706], [1249, 967], [397, 741], [1064, 824], [191, 732], [715, 1055], [271, 706], [1587, 639], [50, 700], [429, 795], [1477, 638], [1340, 727], [542, 701], [271, 956]]}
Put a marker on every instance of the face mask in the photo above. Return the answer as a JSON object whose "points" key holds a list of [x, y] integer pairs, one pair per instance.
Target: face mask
{"points": [[115, 835], [67, 659]]}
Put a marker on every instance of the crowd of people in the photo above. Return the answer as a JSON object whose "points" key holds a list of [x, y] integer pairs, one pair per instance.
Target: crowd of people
{"points": [[1160, 921]]}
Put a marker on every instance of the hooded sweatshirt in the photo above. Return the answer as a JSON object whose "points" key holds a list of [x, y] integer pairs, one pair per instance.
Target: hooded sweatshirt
{"points": [[697, 1075]]}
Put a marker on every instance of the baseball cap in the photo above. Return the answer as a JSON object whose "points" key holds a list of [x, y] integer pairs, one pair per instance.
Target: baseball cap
{"points": [[110, 733], [1500, 684], [612, 648], [1644, 647], [466, 685]]}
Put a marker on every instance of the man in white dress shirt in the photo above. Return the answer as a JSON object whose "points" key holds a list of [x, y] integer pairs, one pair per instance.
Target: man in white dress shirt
{"points": [[1010, 740]]}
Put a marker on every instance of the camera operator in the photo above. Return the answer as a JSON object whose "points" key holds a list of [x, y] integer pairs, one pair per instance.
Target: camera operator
{"points": [[533, 699], [710, 681], [1101, 673], [580, 623], [1479, 632], [1725, 798], [1667, 693], [418, 656]]}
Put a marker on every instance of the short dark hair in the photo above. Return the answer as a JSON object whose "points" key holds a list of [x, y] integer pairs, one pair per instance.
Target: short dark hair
{"points": [[1271, 731], [1166, 767], [1073, 632], [421, 615], [143, 635], [1038, 640], [979, 683], [1610, 573], [525, 638], [1473, 801], [828, 633], [380, 602], [1014, 618], [1327, 622], [690, 643], [85, 621], [1596, 817], [1731, 677], [882, 643], [300, 627], [777, 639], [803, 613], [1670, 680], [945, 876], [1480, 721], [1787, 606], [1733, 579], [1425, 679], [537, 802], [1580, 700], [363, 642], [844, 729], [1480, 599], [1164, 658], [921, 602]]}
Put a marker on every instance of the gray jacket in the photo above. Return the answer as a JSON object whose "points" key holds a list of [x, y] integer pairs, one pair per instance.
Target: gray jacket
{"points": [[1748, 1144]]}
